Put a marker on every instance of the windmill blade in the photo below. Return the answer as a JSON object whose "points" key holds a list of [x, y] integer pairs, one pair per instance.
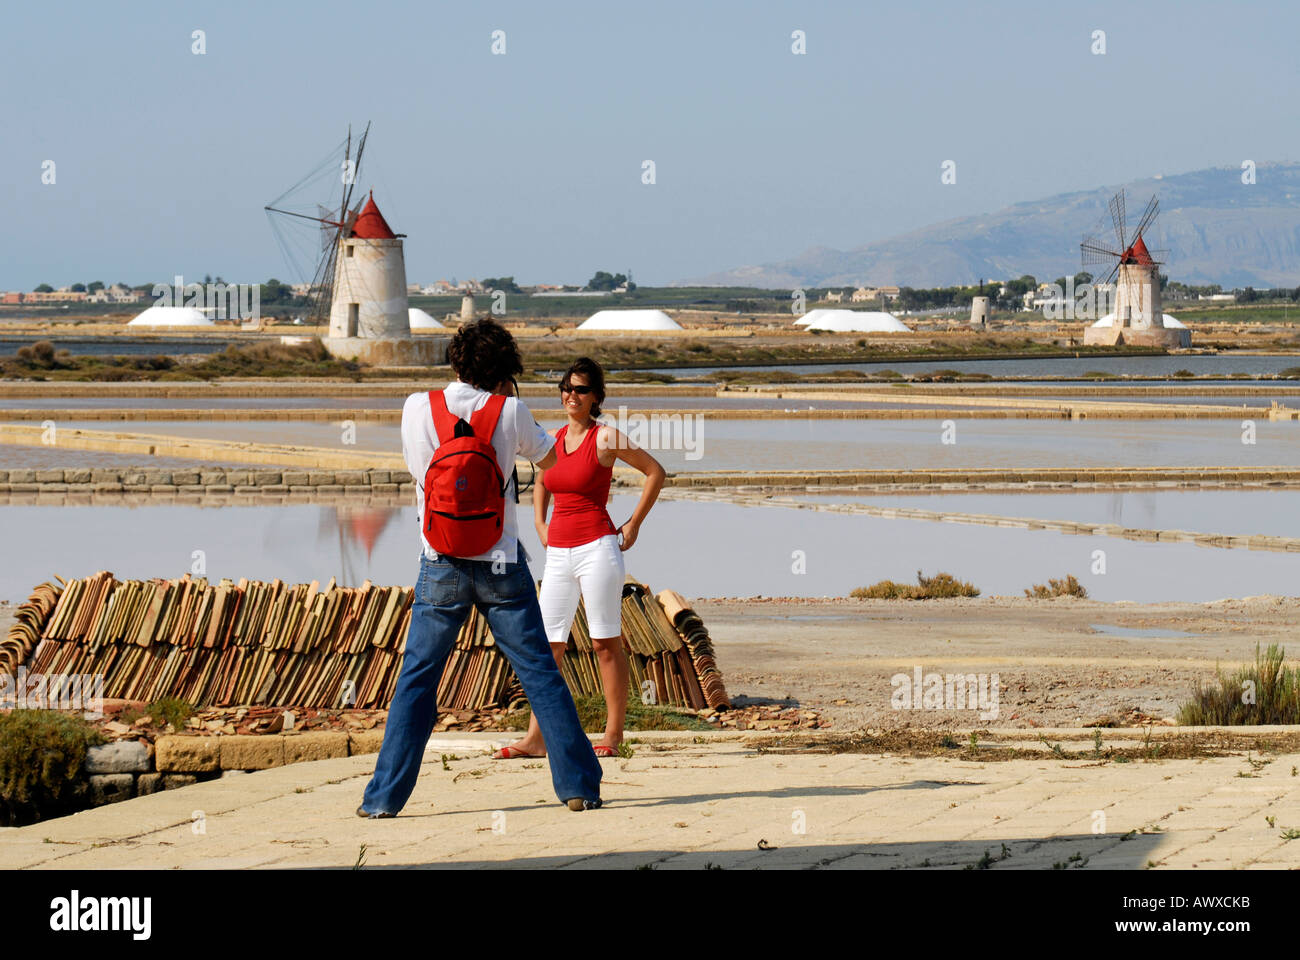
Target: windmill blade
{"points": [[1149, 214], [1116, 207], [1091, 246], [1110, 277], [1093, 254], [329, 230]]}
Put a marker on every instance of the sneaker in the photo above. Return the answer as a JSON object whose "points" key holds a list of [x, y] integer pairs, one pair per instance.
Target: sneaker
{"points": [[579, 804], [363, 812]]}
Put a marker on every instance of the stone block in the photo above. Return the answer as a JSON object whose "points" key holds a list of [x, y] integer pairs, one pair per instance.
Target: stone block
{"points": [[350, 478], [76, 476], [110, 788], [172, 781], [183, 478], [251, 752], [125, 756], [22, 476], [296, 478], [148, 783], [49, 476], [267, 478], [365, 741], [321, 478], [106, 476], [302, 747], [177, 754]]}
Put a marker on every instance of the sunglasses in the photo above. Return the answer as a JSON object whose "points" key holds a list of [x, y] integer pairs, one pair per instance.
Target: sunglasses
{"points": [[581, 389]]}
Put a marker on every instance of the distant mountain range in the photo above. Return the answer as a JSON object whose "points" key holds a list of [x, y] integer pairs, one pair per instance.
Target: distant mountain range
{"points": [[1216, 229]]}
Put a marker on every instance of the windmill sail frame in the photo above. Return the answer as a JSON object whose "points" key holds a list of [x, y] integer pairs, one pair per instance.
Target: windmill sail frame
{"points": [[333, 226]]}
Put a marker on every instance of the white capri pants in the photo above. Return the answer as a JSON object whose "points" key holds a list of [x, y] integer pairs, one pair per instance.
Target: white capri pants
{"points": [[593, 569]]}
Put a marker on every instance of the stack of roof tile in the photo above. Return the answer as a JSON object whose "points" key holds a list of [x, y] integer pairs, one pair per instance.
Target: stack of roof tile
{"points": [[696, 638], [23, 635], [270, 643], [655, 654]]}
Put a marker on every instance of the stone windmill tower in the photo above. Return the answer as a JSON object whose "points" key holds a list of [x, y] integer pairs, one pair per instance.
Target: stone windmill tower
{"points": [[1138, 317], [369, 295]]}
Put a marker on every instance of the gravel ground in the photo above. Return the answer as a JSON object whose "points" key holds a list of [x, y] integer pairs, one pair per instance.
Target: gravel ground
{"points": [[837, 656]]}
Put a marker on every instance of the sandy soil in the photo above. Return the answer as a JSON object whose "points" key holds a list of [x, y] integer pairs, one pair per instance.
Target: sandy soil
{"points": [[837, 656]]}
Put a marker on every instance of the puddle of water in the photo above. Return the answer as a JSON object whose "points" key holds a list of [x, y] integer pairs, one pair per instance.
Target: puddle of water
{"points": [[1111, 630], [700, 549]]}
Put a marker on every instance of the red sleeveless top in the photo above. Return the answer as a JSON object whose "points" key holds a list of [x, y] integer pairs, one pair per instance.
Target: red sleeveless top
{"points": [[580, 486]]}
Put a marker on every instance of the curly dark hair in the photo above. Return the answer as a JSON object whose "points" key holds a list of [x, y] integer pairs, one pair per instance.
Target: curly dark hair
{"points": [[590, 369], [484, 354]]}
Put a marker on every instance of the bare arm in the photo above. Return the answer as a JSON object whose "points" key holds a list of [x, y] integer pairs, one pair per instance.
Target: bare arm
{"points": [[541, 501], [625, 450], [542, 496]]}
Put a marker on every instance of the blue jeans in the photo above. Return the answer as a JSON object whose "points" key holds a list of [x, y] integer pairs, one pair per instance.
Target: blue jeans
{"points": [[447, 587]]}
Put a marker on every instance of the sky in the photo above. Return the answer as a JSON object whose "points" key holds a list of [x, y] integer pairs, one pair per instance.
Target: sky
{"points": [[529, 163]]}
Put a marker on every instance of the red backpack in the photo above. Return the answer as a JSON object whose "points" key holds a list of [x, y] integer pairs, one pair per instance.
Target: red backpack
{"points": [[464, 489]]}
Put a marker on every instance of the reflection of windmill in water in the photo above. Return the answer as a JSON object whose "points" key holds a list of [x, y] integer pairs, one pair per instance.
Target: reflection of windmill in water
{"points": [[356, 528], [1138, 317], [358, 283]]}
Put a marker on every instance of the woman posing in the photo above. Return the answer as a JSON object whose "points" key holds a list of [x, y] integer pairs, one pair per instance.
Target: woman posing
{"points": [[583, 549]]}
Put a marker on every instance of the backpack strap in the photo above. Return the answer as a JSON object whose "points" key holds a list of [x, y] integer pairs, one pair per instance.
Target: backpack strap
{"points": [[444, 423], [484, 420]]}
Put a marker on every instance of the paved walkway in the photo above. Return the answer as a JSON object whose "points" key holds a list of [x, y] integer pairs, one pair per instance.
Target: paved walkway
{"points": [[677, 803]]}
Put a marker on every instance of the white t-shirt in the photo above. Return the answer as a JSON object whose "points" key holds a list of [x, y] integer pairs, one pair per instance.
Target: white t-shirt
{"points": [[517, 433]]}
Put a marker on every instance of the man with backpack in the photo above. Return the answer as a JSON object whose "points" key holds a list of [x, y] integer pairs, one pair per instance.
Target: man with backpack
{"points": [[460, 444]]}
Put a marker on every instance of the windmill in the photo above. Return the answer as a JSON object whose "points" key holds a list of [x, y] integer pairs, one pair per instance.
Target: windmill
{"points": [[1126, 261], [334, 179]]}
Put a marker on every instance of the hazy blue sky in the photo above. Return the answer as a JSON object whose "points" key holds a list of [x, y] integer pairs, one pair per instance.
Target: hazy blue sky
{"points": [[530, 163]]}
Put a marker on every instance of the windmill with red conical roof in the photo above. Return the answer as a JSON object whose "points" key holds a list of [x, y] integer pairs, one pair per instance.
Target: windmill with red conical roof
{"points": [[1138, 317], [359, 284], [368, 299]]}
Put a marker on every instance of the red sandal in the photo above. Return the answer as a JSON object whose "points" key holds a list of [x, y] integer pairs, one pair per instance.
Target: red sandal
{"points": [[514, 753], [604, 751]]}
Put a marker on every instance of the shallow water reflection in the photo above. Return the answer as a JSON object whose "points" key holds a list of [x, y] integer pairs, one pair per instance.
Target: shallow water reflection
{"points": [[700, 549]]}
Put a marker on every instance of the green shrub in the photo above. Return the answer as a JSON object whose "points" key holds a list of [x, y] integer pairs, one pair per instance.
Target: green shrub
{"points": [[41, 755], [941, 585], [1183, 374], [1069, 587], [1265, 692], [171, 710]]}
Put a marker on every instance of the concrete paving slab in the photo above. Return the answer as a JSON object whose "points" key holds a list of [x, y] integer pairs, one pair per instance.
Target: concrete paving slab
{"points": [[677, 804]]}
